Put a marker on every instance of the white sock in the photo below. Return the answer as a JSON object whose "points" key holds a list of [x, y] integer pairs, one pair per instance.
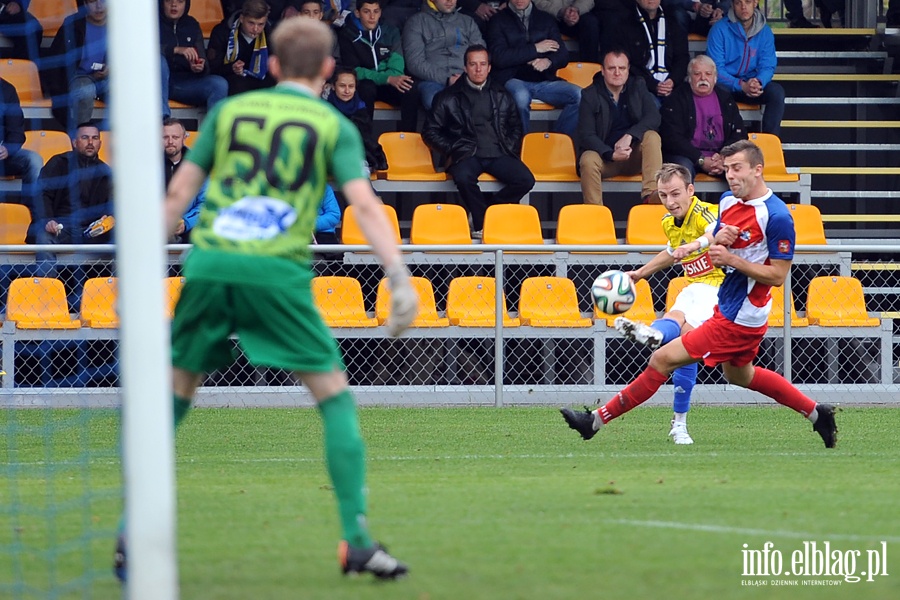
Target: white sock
{"points": [[598, 422], [813, 416], [681, 418]]}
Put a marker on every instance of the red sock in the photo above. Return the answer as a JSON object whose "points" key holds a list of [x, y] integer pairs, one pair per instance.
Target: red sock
{"points": [[780, 390], [635, 393]]}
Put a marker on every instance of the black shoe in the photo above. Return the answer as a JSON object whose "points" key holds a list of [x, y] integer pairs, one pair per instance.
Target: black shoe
{"points": [[374, 560], [801, 22], [582, 422], [119, 562], [825, 425]]}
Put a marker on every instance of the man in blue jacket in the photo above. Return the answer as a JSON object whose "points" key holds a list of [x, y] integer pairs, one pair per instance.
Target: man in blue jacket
{"points": [[743, 48]]}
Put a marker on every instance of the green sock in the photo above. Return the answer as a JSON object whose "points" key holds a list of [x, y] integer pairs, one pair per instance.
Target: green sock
{"points": [[345, 455], [182, 406]]}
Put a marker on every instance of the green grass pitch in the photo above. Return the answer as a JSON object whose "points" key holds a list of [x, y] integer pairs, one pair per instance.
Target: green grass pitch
{"points": [[509, 503]]}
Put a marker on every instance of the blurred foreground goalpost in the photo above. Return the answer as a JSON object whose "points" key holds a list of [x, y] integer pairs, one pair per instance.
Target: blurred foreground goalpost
{"points": [[145, 376]]}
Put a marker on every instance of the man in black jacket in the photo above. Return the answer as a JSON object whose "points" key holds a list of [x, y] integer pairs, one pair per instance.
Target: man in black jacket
{"points": [[528, 49], [475, 125], [657, 47], [185, 72], [238, 49], [76, 189], [617, 123], [700, 120], [13, 159]]}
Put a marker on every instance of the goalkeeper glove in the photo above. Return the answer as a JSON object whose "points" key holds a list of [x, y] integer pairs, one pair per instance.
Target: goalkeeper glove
{"points": [[404, 300]]}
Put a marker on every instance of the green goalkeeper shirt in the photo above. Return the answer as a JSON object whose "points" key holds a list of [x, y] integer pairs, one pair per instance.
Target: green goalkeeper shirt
{"points": [[269, 155]]}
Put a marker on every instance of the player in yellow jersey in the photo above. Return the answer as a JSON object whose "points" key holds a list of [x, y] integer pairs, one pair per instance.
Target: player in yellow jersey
{"points": [[686, 225]]}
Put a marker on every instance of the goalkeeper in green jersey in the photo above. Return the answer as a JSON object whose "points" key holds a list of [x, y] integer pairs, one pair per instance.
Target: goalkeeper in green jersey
{"points": [[268, 155]]}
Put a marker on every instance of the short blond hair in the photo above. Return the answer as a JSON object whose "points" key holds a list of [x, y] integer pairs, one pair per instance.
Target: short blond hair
{"points": [[669, 170], [302, 45]]}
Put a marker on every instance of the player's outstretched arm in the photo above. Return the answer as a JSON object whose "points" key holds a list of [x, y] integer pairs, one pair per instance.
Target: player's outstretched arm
{"points": [[657, 263], [377, 229], [183, 188]]}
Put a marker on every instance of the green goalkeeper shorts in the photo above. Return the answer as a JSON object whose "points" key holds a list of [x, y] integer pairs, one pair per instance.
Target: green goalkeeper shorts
{"points": [[274, 326]]}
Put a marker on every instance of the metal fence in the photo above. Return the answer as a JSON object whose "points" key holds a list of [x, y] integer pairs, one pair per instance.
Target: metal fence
{"points": [[824, 348]]}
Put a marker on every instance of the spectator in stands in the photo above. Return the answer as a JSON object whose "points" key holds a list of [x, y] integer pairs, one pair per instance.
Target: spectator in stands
{"points": [[374, 50], [345, 98], [305, 8], [706, 14], [892, 18], [397, 12], [174, 151], [475, 125], [185, 73], [78, 72], [743, 48], [617, 130], [527, 49], [278, 9], [76, 195], [794, 15], [434, 43], [657, 47], [827, 9], [576, 19], [22, 29], [328, 218], [238, 49], [481, 12], [14, 160], [699, 120]]}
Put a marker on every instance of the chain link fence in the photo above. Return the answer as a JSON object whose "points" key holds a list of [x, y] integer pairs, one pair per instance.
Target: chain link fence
{"points": [[60, 328]]}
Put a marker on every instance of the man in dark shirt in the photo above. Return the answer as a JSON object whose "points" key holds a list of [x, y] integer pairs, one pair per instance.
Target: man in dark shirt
{"points": [[76, 189], [617, 130], [476, 126], [13, 159]]}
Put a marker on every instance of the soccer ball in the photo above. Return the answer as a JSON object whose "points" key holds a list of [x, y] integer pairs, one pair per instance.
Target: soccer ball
{"points": [[613, 292]]}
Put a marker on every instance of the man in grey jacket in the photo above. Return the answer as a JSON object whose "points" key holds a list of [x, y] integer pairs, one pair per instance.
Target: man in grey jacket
{"points": [[577, 19], [617, 130], [434, 44]]}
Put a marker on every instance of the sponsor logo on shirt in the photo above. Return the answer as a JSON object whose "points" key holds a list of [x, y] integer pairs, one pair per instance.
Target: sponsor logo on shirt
{"points": [[698, 266], [784, 246], [254, 218]]}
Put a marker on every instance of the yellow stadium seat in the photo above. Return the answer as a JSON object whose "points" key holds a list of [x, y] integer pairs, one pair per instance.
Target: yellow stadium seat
{"points": [[352, 234], [14, 222], [52, 13], [39, 303], [641, 311], [428, 315], [838, 302], [644, 225], [440, 224], [808, 225], [208, 13], [98, 303], [340, 302], [512, 224], [172, 287], [105, 153], [549, 156], [676, 284], [585, 224], [47, 143], [550, 302], [408, 157], [773, 156], [579, 73], [23, 75], [471, 302], [776, 315]]}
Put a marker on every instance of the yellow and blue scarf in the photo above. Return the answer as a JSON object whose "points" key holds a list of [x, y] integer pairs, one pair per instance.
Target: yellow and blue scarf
{"points": [[259, 62]]}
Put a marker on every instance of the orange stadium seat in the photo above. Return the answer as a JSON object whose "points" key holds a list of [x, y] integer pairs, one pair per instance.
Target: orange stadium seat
{"points": [[39, 303], [471, 302], [47, 143], [643, 226], [408, 157], [550, 302], [773, 156], [776, 315], [23, 75], [352, 234], [579, 73], [98, 303], [14, 222], [440, 224], [512, 224], [340, 301], [428, 315], [838, 302], [52, 13], [585, 224], [810, 230], [549, 156], [208, 13], [676, 284], [172, 287]]}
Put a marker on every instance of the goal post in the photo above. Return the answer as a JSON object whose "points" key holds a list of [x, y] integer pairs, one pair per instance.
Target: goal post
{"points": [[145, 374]]}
